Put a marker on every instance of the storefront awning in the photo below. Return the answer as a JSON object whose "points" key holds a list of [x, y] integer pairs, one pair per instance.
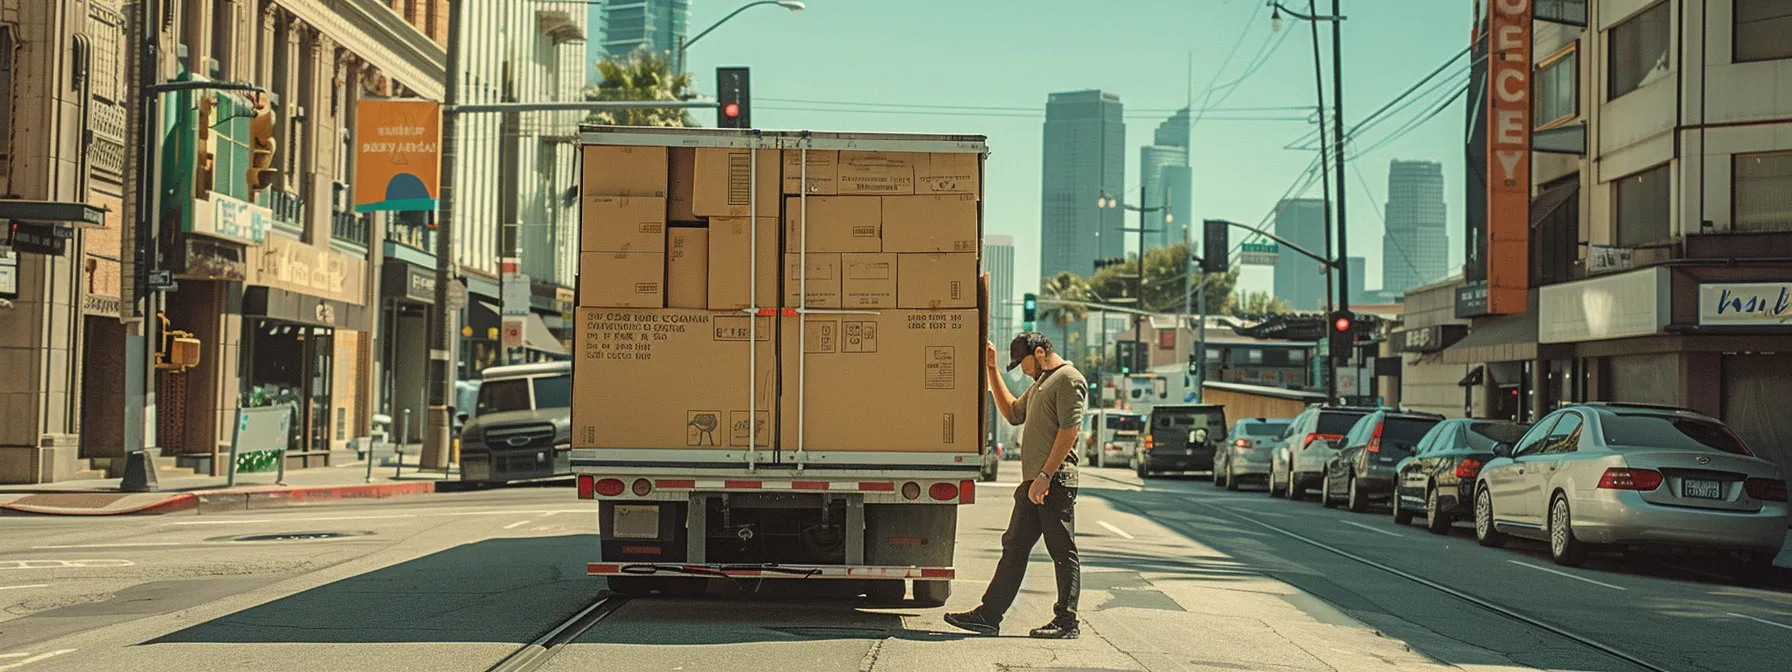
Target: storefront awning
{"points": [[537, 337], [1475, 377], [1501, 339]]}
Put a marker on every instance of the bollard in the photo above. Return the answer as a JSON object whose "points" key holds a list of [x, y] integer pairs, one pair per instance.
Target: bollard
{"points": [[369, 458], [404, 436]]}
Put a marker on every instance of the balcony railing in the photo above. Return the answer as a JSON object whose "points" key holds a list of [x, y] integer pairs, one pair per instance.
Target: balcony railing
{"points": [[289, 211], [348, 228], [409, 233]]}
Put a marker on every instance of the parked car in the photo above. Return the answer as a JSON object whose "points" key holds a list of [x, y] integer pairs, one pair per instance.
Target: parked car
{"points": [[1111, 436], [1245, 453], [521, 425], [1362, 470], [1300, 454], [1438, 481], [1181, 437], [990, 460], [1636, 477]]}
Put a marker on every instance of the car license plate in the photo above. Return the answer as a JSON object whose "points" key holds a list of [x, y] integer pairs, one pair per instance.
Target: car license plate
{"points": [[1702, 489]]}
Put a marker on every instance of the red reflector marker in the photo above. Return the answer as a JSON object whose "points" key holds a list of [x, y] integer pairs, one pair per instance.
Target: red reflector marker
{"points": [[586, 486], [967, 492], [943, 491]]}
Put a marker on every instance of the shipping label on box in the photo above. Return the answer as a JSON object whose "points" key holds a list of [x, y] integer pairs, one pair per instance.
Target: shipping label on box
{"points": [[610, 170], [822, 280], [877, 173], [927, 365], [672, 379], [930, 223], [834, 223], [731, 263], [687, 267], [622, 279], [942, 173], [868, 280], [724, 181], [680, 189], [822, 172], [622, 224], [935, 280]]}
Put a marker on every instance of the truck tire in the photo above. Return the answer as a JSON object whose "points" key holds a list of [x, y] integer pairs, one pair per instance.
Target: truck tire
{"points": [[932, 593], [885, 592]]}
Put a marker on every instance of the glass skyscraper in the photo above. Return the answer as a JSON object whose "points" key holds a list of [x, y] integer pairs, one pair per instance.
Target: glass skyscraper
{"points": [[1415, 247], [1299, 279], [627, 25], [1084, 153]]}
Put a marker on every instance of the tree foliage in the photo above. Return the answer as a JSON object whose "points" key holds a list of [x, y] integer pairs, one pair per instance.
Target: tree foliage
{"points": [[1065, 286], [1168, 281], [640, 75]]}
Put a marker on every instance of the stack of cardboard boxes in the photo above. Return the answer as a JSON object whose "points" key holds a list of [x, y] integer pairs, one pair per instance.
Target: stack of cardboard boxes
{"points": [[880, 248]]}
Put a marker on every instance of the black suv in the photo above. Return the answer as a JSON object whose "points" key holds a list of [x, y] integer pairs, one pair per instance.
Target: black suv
{"points": [[1369, 456], [1182, 437]]}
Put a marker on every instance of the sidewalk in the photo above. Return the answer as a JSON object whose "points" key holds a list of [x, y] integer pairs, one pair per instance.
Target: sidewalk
{"points": [[209, 494]]}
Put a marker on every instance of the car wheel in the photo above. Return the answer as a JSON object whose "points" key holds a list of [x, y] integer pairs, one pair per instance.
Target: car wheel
{"points": [[1436, 520], [1275, 487], [1231, 478], [1325, 491], [1144, 468], [1563, 547], [1484, 531], [1218, 480], [1295, 490], [1355, 498], [1402, 515]]}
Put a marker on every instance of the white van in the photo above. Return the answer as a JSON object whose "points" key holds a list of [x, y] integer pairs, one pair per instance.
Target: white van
{"points": [[1117, 439]]}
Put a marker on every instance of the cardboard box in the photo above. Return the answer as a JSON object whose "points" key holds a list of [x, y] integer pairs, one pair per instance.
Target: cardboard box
{"points": [[622, 224], [824, 171], [671, 379], [927, 395], [683, 182], [610, 170], [835, 224], [622, 279], [868, 280], [877, 173], [687, 267], [730, 263], [722, 179], [949, 174], [823, 286], [933, 280], [930, 223]]}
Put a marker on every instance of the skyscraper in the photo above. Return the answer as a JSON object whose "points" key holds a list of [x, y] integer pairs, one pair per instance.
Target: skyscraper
{"points": [[1164, 172], [628, 25], [998, 262], [1414, 249], [1085, 153], [1358, 274], [1300, 280]]}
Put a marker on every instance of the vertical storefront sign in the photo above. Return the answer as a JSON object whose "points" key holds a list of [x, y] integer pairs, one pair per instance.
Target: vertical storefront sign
{"points": [[1508, 156], [397, 155]]}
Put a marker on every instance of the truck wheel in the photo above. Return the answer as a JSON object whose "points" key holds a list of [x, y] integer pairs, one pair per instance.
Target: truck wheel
{"points": [[632, 586], [1144, 469], [932, 593], [885, 592]]}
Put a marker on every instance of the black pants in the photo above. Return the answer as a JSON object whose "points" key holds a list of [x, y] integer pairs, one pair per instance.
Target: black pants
{"points": [[1056, 521]]}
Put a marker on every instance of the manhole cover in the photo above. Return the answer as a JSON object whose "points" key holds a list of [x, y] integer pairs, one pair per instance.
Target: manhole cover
{"points": [[293, 536]]}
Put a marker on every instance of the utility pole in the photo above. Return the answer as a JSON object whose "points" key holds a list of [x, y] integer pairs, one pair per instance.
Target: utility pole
{"points": [[441, 329], [1331, 378], [1137, 320], [139, 348], [1343, 256]]}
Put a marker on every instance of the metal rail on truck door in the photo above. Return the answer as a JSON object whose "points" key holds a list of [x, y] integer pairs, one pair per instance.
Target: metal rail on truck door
{"points": [[753, 305]]}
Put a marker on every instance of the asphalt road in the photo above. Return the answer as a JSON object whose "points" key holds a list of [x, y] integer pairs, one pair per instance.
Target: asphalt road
{"points": [[1178, 576]]}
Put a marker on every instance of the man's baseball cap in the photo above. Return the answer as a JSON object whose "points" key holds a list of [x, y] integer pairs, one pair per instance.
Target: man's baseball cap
{"points": [[1023, 345]]}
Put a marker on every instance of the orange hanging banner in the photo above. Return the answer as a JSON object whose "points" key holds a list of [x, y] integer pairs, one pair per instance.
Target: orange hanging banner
{"points": [[1508, 156], [397, 155]]}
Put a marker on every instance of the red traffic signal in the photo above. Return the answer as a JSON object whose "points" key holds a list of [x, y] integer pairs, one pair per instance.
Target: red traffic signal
{"points": [[731, 110], [1343, 322]]}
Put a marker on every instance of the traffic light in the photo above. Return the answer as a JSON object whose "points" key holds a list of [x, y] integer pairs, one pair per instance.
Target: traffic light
{"points": [[1342, 335], [1029, 311], [1123, 356], [260, 173], [732, 95], [1216, 250]]}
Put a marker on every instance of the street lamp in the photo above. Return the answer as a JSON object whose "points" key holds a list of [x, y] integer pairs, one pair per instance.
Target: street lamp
{"points": [[1109, 202], [795, 7]]}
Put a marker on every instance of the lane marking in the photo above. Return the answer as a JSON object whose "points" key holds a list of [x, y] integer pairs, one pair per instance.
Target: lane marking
{"points": [[218, 522], [27, 585], [33, 659], [62, 564], [298, 519], [1760, 620], [1571, 576], [1371, 529], [140, 544], [516, 524], [1113, 529]]}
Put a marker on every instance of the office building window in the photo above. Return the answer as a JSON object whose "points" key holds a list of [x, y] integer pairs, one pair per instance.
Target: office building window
{"points": [[1557, 87], [1762, 198], [1639, 50], [1761, 29], [1643, 207]]}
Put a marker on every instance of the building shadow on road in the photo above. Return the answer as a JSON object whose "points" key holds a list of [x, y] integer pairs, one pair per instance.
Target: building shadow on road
{"points": [[495, 590], [785, 617]]}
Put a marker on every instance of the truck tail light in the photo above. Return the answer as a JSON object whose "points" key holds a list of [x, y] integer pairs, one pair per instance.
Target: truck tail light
{"points": [[911, 490], [641, 487], [943, 491], [586, 485], [609, 487], [967, 492], [1617, 478]]}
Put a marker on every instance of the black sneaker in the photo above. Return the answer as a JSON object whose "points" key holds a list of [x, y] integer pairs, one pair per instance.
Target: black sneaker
{"points": [[1056, 630], [974, 621]]}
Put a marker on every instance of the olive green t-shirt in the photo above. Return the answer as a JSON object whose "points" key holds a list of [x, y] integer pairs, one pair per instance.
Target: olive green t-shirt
{"points": [[1054, 402]]}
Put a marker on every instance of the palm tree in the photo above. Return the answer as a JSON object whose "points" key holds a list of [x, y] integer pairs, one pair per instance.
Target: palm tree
{"points": [[1065, 286], [640, 75]]}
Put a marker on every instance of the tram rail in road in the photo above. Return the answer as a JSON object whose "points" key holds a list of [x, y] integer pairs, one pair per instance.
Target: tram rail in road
{"points": [[532, 656]]}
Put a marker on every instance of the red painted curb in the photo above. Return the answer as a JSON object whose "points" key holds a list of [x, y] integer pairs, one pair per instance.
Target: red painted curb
{"points": [[187, 501], [182, 502]]}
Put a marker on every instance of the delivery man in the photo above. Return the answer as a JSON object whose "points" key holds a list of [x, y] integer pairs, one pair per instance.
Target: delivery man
{"points": [[1045, 505]]}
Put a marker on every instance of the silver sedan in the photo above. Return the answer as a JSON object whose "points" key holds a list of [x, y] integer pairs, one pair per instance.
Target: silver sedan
{"points": [[1634, 476]]}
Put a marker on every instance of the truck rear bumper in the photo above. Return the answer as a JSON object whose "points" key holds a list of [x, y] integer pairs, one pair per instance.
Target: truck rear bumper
{"points": [[780, 571]]}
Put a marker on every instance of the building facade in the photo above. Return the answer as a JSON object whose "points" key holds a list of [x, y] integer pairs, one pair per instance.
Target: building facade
{"points": [[1084, 155], [1672, 166], [998, 262], [1415, 246], [1155, 162], [1300, 280], [654, 25]]}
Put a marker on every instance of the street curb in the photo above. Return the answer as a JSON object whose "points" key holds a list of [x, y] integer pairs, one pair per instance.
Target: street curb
{"points": [[213, 501]]}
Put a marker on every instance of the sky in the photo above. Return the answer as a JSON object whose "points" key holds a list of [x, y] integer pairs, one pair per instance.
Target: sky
{"points": [[915, 65]]}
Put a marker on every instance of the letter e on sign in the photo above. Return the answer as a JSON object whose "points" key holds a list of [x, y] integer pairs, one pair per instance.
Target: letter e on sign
{"points": [[1509, 156]]}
